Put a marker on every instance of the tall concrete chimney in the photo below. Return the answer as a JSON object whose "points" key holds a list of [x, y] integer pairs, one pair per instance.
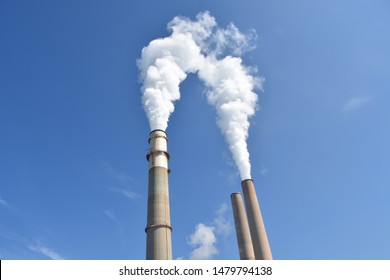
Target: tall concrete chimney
{"points": [[256, 224], [244, 240], [158, 229]]}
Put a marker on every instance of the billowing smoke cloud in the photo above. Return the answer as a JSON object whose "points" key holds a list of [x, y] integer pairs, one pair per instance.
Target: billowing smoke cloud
{"points": [[164, 64], [230, 90], [200, 46]]}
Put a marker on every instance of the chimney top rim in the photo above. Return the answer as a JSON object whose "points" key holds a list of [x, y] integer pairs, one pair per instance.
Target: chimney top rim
{"points": [[155, 130], [235, 193]]}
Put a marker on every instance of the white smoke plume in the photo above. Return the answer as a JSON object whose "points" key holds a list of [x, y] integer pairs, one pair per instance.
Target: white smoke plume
{"points": [[230, 90], [164, 64], [200, 46]]}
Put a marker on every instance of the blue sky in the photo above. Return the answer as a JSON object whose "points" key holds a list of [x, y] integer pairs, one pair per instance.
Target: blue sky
{"points": [[73, 133]]}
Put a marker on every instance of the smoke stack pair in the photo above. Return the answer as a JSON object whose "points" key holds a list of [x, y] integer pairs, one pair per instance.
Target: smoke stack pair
{"points": [[244, 239], [158, 229], [257, 242]]}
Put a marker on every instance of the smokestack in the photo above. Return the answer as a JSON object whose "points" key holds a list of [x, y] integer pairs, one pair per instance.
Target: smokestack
{"points": [[256, 224], [158, 229], [244, 240]]}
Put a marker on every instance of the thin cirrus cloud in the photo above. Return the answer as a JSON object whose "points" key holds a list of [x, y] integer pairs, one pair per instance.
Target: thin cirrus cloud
{"points": [[48, 252], [118, 224], [122, 180], [127, 193], [110, 214], [8, 206], [4, 203], [119, 176], [357, 103], [264, 170]]}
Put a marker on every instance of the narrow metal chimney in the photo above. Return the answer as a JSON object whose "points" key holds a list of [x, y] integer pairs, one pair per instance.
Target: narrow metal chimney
{"points": [[256, 224], [158, 229], [244, 240]]}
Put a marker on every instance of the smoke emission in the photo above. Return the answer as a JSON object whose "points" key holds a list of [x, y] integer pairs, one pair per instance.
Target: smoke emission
{"points": [[165, 63], [202, 47]]}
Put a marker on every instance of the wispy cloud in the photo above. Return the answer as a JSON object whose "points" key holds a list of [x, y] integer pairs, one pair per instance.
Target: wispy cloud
{"points": [[110, 214], [229, 176], [127, 193], [4, 203], [204, 238], [124, 181], [118, 224], [48, 252], [9, 206], [222, 225], [227, 158], [264, 170], [120, 176], [19, 247], [356, 103]]}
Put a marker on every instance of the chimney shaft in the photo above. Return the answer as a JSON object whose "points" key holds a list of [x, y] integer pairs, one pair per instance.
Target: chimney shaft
{"points": [[158, 229], [256, 225], [244, 240]]}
